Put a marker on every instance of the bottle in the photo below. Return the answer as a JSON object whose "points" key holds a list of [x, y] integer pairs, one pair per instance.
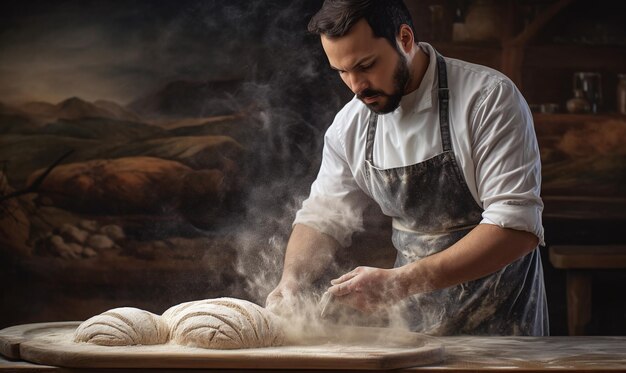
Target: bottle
{"points": [[436, 22], [459, 32], [578, 104], [483, 21], [621, 93]]}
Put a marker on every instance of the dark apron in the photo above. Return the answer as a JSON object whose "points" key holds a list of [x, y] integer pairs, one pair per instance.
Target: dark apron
{"points": [[432, 208]]}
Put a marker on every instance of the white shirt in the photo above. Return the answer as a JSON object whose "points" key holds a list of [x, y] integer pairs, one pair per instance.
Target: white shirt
{"points": [[493, 139]]}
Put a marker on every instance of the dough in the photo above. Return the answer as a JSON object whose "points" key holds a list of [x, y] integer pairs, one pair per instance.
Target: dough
{"points": [[223, 323], [122, 327]]}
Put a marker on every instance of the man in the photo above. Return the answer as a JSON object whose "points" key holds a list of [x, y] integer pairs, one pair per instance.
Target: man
{"points": [[446, 149]]}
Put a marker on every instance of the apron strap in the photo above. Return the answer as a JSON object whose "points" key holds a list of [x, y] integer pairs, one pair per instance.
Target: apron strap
{"points": [[444, 118], [371, 133], [444, 104]]}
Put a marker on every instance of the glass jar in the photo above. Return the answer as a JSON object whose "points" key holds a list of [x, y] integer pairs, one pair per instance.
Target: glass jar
{"points": [[578, 104], [591, 84]]}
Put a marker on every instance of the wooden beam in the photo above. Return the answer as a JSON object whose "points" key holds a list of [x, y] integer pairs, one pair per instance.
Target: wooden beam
{"points": [[513, 49], [538, 24]]}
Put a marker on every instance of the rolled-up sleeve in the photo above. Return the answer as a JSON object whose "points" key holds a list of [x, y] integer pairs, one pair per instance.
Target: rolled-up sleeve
{"points": [[508, 166], [335, 205]]}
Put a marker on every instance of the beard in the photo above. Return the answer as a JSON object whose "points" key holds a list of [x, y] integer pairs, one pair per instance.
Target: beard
{"points": [[400, 78]]}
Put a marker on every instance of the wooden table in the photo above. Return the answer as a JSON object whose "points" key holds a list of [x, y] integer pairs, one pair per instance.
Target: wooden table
{"points": [[580, 262], [472, 354]]}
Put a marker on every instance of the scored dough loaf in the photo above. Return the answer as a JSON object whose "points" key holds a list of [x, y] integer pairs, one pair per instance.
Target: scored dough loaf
{"points": [[223, 323], [123, 326]]}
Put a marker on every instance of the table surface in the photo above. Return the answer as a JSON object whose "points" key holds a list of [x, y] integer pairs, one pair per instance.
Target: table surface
{"points": [[470, 354]]}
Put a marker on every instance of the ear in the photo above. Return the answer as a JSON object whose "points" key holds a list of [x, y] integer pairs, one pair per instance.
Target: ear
{"points": [[405, 38]]}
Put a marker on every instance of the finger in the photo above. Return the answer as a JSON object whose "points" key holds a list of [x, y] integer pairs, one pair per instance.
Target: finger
{"points": [[272, 298], [279, 300], [345, 277], [342, 289], [273, 301]]}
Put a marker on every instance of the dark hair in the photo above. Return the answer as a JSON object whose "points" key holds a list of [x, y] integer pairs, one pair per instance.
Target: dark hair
{"points": [[384, 17]]}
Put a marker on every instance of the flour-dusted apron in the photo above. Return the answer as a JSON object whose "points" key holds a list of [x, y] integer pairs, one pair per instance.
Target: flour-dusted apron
{"points": [[432, 208]]}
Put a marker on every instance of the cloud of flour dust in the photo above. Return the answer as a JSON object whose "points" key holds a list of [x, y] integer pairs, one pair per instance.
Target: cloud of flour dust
{"points": [[295, 98]]}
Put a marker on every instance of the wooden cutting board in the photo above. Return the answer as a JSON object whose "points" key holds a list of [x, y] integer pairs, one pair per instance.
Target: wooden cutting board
{"points": [[343, 347]]}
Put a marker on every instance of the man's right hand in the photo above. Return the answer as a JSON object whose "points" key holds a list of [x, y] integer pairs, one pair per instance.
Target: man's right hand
{"points": [[309, 253], [283, 300]]}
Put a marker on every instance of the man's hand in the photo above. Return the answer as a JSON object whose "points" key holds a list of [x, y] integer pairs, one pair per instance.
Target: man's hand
{"points": [[284, 298], [369, 289], [309, 253], [486, 249]]}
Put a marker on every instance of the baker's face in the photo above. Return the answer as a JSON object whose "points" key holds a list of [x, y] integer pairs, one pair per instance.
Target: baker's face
{"points": [[369, 66]]}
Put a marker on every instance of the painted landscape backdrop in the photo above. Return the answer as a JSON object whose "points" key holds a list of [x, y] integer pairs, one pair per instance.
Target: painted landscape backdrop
{"points": [[153, 153], [156, 152]]}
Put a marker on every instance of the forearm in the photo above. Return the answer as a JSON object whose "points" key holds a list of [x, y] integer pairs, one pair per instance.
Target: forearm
{"points": [[309, 252], [486, 249]]}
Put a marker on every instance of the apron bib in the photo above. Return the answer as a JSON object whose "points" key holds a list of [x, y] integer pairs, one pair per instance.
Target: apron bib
{"points": [[432, 208]]}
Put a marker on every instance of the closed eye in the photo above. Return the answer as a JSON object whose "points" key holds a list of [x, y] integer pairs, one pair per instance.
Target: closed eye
{"points": [[365, 67], [358, 67]]}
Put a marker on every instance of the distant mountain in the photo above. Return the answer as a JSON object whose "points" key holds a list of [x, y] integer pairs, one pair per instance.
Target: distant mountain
{"points": [[39, 109], [118, 110], [77, 108], [10, 110], [102, 129], [184, 99], [14, 120], [240, 128]]}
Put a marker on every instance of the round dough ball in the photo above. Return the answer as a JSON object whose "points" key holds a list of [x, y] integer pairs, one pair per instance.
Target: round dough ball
{"points": [[123, 327], [223, 323]]}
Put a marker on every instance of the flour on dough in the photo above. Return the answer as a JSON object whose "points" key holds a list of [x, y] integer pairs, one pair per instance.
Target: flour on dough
{"points": [[223, 323], [123, 327]]}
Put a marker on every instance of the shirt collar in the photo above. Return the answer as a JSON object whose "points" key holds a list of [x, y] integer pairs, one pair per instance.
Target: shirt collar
{"points": [[422, 98]]}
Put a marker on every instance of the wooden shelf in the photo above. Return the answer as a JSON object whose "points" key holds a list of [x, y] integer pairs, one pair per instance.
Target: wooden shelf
{"points": [[468, 46], [542, 119], [575, 56], [551, 127], [543, 70]]}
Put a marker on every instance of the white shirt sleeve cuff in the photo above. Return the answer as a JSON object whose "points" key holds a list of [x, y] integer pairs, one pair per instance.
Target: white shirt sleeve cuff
{"points": [[514, 216], [330, 216]]}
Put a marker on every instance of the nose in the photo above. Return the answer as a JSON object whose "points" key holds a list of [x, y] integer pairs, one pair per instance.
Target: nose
{"points": [[356, 81]]}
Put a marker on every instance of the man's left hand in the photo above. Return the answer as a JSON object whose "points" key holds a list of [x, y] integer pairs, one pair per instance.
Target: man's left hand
{"points": [[368, 289]]}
